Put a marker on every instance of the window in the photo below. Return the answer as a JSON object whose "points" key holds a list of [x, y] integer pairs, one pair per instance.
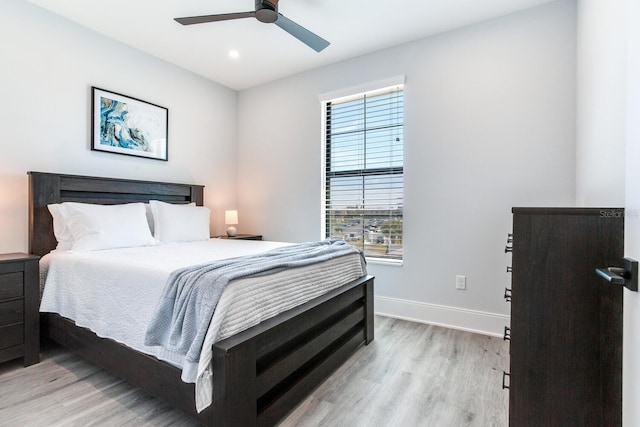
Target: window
{"points": [[363, 185]]}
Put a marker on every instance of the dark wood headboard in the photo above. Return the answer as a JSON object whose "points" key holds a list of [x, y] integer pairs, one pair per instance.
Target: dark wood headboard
{"points": [[47, 188]]}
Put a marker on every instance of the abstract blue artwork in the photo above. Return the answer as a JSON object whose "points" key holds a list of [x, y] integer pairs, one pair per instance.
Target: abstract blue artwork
{"points": [[125, 125]]}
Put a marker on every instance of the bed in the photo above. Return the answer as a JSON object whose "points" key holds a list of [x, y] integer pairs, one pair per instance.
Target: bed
{"points": [[260, 374]]}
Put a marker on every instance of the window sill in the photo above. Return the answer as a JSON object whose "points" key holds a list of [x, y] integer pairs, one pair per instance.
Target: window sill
{"points": [[382, 261]]}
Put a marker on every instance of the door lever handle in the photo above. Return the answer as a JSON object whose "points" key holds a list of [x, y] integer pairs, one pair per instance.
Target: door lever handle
{"points": [[626, 275]]}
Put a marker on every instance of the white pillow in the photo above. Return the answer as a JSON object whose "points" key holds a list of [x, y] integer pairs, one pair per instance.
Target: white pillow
{"points": [[179, 223], [96, 227], [60, 229], [147, 207]]}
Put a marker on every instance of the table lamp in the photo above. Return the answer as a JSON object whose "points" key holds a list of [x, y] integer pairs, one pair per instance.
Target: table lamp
{"points": [[231, 219]]}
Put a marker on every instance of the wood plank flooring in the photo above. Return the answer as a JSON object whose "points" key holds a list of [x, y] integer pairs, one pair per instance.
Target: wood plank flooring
{"points": [[411, 375]]}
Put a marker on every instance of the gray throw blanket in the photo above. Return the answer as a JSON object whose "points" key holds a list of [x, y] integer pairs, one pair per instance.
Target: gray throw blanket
{"points": [[191, 294]]}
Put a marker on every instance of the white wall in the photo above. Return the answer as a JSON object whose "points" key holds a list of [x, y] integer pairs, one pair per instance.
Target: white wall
{"points": [[601, 86], [48, 67], [631, 344], [489, 124]]}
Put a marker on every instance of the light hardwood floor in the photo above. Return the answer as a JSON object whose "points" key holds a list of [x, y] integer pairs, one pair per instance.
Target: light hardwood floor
{"points": [[411, 375]]}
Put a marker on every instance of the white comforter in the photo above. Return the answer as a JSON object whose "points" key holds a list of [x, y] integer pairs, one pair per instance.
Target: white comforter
{"points": [[115, 293]]}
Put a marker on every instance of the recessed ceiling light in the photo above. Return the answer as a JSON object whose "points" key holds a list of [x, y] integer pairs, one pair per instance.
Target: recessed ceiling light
{"points": [[234, 54]]}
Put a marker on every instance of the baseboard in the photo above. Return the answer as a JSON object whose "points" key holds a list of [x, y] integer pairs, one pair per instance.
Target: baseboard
{"points": [[479, 322]]}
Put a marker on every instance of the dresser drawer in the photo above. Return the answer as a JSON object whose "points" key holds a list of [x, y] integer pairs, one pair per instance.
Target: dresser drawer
{"points": [[11, 312], [11, 285], [19, 317], [11, 335]]}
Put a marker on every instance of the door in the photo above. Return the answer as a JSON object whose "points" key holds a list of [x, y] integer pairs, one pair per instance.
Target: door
{"points": [[631, 346]]}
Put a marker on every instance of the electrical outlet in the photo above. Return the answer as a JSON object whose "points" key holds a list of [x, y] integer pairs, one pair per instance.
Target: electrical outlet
{"points": [[461, 282]]}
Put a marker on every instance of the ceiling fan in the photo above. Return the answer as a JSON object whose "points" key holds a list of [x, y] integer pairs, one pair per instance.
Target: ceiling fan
{"points": [[267, 12]]}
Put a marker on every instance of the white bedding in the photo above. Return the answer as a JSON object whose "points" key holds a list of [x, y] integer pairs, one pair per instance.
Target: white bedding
{"points": [[115, 292]]}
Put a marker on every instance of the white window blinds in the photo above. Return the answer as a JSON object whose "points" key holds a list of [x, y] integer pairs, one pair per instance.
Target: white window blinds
{"points": [[364, 164]]}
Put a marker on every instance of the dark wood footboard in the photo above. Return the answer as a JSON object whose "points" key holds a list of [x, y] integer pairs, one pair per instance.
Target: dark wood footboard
{"points": [[274, 366], [260, 374]]}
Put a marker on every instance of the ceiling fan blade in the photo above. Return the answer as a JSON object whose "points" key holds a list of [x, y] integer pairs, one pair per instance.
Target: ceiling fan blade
{"points": [[312, 40], [190, 20]]}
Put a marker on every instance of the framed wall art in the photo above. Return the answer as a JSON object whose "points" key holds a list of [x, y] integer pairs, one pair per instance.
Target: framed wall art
{"points": [[124, 125]]}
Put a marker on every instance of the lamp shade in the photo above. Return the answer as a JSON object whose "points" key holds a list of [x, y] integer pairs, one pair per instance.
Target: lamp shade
{"points": [[231, 217]]}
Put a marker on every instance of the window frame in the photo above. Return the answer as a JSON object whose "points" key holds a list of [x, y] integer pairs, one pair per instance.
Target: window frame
{"points": [[368, 90]]}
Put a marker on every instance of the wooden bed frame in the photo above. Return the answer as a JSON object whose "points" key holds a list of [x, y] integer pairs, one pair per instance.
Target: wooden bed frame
{"points": [[260, 374]]}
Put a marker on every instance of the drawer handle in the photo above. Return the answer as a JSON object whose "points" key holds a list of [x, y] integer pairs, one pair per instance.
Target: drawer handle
{"points": [[509, 269], [504, 378], [507, 334], [510, 238], [507, 294], [508, 249]]}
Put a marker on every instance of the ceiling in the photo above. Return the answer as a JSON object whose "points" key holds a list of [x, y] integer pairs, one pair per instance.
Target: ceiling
{"points": [[266, 52]]}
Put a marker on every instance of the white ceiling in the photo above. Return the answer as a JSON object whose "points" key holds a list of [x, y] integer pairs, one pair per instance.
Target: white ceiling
{"points": [[354, 27]]}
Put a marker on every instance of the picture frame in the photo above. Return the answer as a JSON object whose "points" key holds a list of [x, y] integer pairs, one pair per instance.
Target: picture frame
{"points": [[122, 124]]}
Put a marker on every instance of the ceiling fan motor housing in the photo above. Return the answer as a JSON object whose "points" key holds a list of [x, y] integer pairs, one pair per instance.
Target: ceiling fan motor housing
{"points": [[267, 11]]}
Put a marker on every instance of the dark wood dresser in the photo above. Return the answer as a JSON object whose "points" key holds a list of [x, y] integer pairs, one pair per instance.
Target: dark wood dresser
{"points": [[19, 317], [566, 321]]}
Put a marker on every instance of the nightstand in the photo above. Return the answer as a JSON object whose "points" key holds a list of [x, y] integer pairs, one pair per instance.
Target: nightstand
{"points": [[19, 317], [241, 237]]}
